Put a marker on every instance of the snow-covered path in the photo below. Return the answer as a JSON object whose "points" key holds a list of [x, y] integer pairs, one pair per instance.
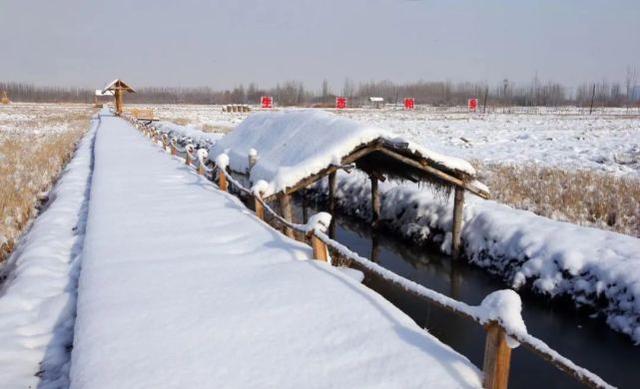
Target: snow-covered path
{"points": [[181, 286]]}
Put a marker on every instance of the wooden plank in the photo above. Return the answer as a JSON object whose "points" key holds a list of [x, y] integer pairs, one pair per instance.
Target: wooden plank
{"points": [[497, 358], [458, 208]]}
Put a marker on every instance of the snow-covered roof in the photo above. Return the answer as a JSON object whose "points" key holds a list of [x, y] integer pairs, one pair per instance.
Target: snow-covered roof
{"points": [[376, 99], [296, 144], [118, 84]]}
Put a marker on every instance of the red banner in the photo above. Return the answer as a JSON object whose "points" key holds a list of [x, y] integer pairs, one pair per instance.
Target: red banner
{"points": [[473, 104], [341, 102], [266, 101], [409, 103]]}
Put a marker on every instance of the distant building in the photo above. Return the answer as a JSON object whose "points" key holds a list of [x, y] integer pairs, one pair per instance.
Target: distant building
{"points": [[101, 97], [376, 101]]}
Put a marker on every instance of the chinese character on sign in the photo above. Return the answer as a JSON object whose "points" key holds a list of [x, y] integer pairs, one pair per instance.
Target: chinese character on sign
{"points": [[409, 103], [266, 101], [473, 104], [341, 102]]}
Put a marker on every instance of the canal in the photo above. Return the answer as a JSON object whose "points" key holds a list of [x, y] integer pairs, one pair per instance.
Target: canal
{"points": [[587, 341]]}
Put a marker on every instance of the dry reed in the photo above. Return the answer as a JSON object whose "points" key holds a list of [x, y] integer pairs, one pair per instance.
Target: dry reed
{"points": [[583, 197], [35, 145]]}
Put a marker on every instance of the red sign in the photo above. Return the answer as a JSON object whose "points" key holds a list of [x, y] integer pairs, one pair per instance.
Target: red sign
{"points": [[409, 103], [341, 102], [473, 104], [266, 101]]}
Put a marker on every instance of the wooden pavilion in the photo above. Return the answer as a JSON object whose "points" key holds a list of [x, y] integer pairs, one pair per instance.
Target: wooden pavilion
{"points": [[319, 144], [118, 88]]}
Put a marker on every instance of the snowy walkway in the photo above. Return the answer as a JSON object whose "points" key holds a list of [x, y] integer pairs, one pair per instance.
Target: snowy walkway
{"points": [[181, 286]]}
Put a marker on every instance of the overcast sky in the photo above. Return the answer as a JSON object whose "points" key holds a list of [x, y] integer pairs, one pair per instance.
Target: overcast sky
{"points": [[224, 43]]}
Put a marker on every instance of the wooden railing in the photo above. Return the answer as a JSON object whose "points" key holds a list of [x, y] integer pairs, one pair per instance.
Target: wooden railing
{"points": [[497, 353]]}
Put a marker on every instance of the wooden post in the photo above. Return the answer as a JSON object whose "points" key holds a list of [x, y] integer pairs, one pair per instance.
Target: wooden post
{"points": [[187, 158], [497, 358], [173, 150], [258, 207], [305, 206], [287, 212], [332, 204], [222, 180], [201, 169], [320, 250], [458, 207], [375, 201], [118, 95], [375, 246]]}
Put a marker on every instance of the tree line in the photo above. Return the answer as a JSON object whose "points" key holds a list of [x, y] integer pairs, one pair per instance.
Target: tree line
{"points": [[440, 93]]}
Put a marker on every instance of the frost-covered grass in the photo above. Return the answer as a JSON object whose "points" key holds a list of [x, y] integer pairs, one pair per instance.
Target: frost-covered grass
{"points": [[36, 142], [584, 197]]}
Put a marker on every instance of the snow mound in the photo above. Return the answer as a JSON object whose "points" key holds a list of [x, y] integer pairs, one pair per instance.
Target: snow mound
{"points": [[188, 134], [320, 221], [295, 144], [505, 307]]}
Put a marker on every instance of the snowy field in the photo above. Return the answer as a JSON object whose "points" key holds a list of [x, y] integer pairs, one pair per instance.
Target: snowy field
{"points": [[36, 141], [607, 141], [570, 138], [561, 163]]}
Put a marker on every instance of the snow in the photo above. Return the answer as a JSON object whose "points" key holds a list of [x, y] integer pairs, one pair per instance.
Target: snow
{"points": [[505, 307], [222, 161], [182, 286], [568, 137], [37, 300], [594, 267], [188, 134], [319, 222], [294, 144]]}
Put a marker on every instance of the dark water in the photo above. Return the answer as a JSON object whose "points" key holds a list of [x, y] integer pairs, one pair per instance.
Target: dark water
{"points": [[588, 342]]}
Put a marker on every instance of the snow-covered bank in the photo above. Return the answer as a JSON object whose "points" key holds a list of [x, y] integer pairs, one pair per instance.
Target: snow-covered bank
{"points": [[182, 286], [187, 134], [38, 297], [593, 267]]}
